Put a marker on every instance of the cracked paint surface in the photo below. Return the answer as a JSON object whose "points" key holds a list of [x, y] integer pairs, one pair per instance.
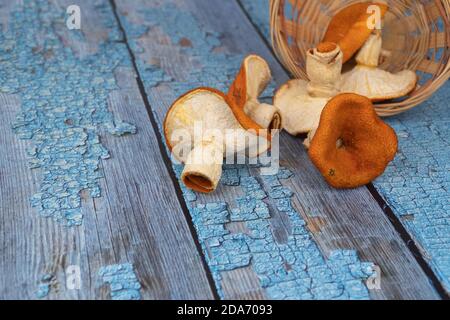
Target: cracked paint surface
{"points": [[44, 286], [63, 103], [292, 270], [122, 280], [198, 48], [296, 269], [43, 290], [416, 185]]}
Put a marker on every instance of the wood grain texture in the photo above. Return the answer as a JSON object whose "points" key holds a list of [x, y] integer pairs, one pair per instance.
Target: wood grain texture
{"points": [[133, 221], [415, 184], [349, 219]]}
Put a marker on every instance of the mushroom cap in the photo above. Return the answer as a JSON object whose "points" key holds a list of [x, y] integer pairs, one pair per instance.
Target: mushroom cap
{"points": [[251, 80], [377, 84], [211, 108], [348, 28], [300, 112], [352, 145]]}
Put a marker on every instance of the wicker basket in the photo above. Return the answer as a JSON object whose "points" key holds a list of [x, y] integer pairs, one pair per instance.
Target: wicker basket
{"points": [[417, 32]]}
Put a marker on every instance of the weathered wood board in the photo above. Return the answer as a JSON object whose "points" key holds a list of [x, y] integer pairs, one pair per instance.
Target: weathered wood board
{"points": [[113, 198], [179, 45], [134, 220], [416, 185]]}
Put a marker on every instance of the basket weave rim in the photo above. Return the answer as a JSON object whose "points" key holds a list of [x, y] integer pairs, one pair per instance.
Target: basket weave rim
{"points": [[285, 31]]}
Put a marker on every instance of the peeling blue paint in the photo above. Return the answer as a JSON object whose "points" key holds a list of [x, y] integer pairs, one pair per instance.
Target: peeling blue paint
{"points": [[44, 286], [416, 185], [122, 281], [174, 24], [203, 63], [43, 290], [230, 177], [64, 103], [293, 270]]}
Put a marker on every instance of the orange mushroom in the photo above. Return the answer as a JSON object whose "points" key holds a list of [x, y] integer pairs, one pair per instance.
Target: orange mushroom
{"points": [[201, 128], [368, 80], [301, 102], [349, 27], [352, 145], [251, 80]]}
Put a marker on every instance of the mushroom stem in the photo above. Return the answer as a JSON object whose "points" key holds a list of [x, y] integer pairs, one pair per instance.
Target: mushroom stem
{"points": [[266, 115], [367, 79], [324, 72], [370, 53], [203, 167]]}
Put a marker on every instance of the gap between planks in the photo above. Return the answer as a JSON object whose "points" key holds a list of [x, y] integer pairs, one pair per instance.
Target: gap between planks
{"points": [[165, 156], [396, 223], [375, 205]]}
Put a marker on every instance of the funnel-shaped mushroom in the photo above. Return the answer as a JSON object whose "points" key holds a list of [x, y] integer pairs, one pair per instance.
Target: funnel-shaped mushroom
{"points": [[349, 28], [301, 102], [368, 80], [250, 82], [201, 127], [352, 145]]}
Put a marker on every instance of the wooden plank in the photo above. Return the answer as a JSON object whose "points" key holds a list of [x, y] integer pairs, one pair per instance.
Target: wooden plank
{"points": [[416, 184], [180, 45], [134, 220]]}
